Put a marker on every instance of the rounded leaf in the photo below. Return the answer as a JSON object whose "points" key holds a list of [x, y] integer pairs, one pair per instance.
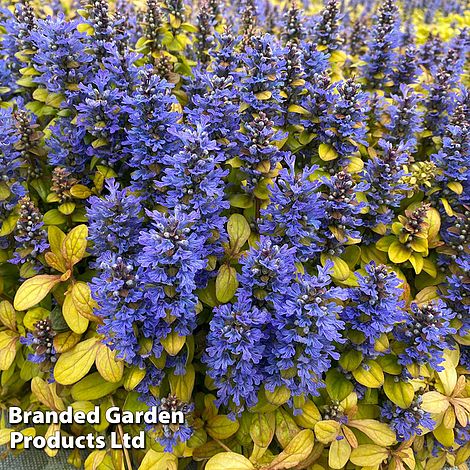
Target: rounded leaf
{"points": [[75, 363], [229, 461]]}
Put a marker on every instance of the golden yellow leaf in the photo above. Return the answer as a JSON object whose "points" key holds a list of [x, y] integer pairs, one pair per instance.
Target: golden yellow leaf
{"points": [[65, 341], [133, 377], [81, 296], [221, 427], [339, 453], [378, 432], [182, 385], [228, 461], [173, 343], [368, 455], [434, 402], [296, 451], [327, 431], [33, 290], [159, 461], [8, 344], [46, 393], [74, 245], [8, 315], [76, 322], [75, 363], [108, 367]]}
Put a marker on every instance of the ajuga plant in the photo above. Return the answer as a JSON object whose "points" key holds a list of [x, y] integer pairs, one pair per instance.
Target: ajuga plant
{"points": [[250, 212]]}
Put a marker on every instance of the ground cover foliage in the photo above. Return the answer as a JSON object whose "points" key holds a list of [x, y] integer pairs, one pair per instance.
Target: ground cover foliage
{"points": [[253, 212]]}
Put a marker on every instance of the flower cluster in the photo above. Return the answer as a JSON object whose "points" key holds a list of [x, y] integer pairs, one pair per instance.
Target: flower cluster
{"points": [[255, 215]]}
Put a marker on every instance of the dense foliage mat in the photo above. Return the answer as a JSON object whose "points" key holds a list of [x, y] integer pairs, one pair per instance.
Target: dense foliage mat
{"points": [[248, 212]]}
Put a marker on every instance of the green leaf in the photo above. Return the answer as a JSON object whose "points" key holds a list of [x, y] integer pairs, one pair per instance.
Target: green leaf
{"points": [[133, 377], [67, 208], [337, 386], [54, 217], [242, 201], [350, 360], [40, 94], [229, 461], [399, 392], [445, 436], [221, 427], [296, 451], [8, 225], [159, 461], [368, 455], [173, 343], [93, 387], [226, 283], [398, 253], [182, 385], [379, 433], [294, 108], [280, 395], [33, 290], [369, 374], [263, 95], [327, 153], [238, 231], [75, 363]]}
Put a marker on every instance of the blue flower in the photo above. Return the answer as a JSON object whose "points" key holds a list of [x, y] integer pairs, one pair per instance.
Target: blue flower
{"points": [[293, 27], [295, 212], [304, 330], [258, 150], [194, 178], [425, 334], [235, 352], [169, 435], [453, 158], [30, 235], [41, 340], [267, 269], [326, 32], [11, 159], [431, 52], [101, 114], [408, 422], [264, 66], [148, 140], [61, 57], [406, 69], [374, 306], [171, 255], [457, 293], [344, 123], [383, 173], [342, 211], [16, 43], [118, 290], [381, 54], [114, 221], [405, 117]]}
